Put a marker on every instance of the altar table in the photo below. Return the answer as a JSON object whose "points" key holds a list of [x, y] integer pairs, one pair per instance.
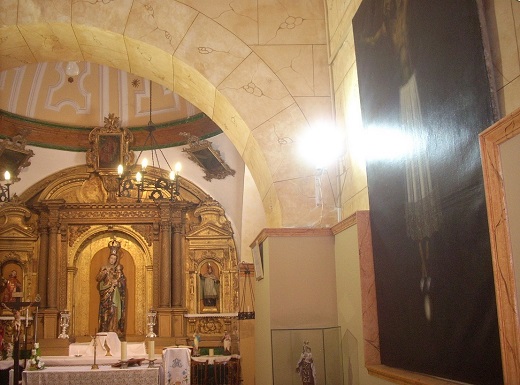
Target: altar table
{"points": [[87, 361], [82, 375]]}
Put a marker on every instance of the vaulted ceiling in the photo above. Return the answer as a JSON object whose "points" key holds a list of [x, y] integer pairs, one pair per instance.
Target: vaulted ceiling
{"points": [[258, 69]]}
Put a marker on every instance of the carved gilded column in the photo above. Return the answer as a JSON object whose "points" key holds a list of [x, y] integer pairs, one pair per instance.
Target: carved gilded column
{"points": [[177, 264], [43, 259], [156, 228], [62, 270], [52, 289], [165, 278], [52, 265]]}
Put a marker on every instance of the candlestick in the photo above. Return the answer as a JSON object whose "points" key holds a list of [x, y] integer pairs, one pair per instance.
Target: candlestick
{"points": [[94, 365], [36, 325], [151, 349]]}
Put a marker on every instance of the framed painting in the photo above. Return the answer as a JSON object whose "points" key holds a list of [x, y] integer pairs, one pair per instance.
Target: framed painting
{"points": [[208, 158], [11, 281], [258, 261], [110, 147], [500, 148], [110, 150], [426, 93]]}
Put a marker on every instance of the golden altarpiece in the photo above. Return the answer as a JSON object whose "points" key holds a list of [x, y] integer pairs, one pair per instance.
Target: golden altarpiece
{"points": [[57, 233]]}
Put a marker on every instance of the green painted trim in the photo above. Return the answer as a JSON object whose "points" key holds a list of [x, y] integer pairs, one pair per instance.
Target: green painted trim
{"points": [[88, 129], [44, 123]]}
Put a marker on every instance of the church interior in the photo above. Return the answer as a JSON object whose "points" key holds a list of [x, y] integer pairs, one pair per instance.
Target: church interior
{"points": [[260, 226]]}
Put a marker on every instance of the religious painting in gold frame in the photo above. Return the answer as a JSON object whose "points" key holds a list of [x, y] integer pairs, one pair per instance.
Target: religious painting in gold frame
{"points": [[202, 152], [11, 281], [109, 147], [110, 151]]}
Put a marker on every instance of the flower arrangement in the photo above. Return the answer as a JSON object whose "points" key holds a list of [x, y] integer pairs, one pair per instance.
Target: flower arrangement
{"points": [[35, 362]]}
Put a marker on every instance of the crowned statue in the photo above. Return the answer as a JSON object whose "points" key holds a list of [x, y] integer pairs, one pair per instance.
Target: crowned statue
{"points": [[112, 292]]}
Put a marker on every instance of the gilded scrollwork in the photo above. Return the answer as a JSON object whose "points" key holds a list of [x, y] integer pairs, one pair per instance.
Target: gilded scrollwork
{"points": [[146, 231], [210, 325], [75, 232]]}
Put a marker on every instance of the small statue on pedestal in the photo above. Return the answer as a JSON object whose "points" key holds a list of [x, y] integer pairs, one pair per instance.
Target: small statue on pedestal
{"points": [[196, 341], [227, 343], [305, 366]]}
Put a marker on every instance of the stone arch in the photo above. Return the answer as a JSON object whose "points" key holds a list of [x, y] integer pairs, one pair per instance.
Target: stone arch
{"points": [[68, 35]]}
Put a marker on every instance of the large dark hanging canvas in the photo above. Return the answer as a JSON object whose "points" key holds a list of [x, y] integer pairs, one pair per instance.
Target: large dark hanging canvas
{"points": [[425, 91]]}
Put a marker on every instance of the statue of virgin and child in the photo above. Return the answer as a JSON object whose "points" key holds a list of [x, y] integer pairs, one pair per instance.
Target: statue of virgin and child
{"points": [[112, 291]]}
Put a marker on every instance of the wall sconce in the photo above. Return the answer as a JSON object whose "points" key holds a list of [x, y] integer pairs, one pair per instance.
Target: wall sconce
{"points": [[5, 195]]}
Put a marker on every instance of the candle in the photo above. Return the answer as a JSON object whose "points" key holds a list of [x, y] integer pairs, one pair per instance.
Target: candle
{"points": [[151, 349], [26, 317], [35, 323], [123, 350]]}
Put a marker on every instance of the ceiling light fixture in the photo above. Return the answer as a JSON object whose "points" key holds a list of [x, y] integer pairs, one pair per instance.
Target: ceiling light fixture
{"points": [[71, 70]]}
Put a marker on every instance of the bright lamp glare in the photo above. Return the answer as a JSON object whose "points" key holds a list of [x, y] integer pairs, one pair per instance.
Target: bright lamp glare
{"points": [[321, 145], [387, 144]]}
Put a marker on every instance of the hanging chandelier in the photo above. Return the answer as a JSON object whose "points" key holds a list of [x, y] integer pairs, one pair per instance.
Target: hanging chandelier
{"points": [[138, 181]]}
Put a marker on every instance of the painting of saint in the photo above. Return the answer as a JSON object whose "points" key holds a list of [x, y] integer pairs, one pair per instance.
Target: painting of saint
{"points": [[10, 285], [424, 88], [109, 151]]}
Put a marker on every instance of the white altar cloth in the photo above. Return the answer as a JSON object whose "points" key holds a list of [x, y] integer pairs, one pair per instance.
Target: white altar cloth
{"points": [[176, 366], [52, 361], [108, 345], [81, 375]]}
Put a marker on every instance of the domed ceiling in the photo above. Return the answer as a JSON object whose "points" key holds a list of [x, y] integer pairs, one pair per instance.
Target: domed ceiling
{"points": [[59, 111]]}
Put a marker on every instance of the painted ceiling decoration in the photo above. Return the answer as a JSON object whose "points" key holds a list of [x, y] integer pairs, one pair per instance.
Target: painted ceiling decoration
{"points": [[60, 114]]}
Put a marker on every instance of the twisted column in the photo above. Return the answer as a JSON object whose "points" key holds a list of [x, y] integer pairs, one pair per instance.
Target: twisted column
{"points": [[43, 259], [177, 265], [165, 242]]}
